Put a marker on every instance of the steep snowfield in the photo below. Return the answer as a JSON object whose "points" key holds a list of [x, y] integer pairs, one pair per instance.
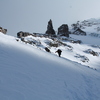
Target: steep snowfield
{"points": [[73, 51], [27, 73]]}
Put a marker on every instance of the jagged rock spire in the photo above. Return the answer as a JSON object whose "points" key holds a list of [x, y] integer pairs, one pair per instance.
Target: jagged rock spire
{"points": [[50, 30]]}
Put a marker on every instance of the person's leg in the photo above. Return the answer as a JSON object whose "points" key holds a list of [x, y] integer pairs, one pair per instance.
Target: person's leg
{"points": [[59, 54]]}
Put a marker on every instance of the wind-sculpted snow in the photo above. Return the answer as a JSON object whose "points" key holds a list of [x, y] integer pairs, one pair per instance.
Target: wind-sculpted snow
{"points": [[27, 73]]}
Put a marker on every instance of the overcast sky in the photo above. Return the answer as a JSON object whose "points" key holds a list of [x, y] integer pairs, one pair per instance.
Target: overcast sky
{"points": [[33, 15]]}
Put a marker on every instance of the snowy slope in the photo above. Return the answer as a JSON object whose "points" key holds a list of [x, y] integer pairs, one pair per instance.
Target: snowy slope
{"points": [[27, 73], [72, 51], [90, 26]]}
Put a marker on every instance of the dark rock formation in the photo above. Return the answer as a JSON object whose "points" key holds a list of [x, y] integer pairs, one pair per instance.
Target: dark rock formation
{"points": [[95, 35], [50, 31], [92, 52], [22, 34], [4, 31], [78, 31], [63, 30], [82, 58], [48, 50], [76, 41]]}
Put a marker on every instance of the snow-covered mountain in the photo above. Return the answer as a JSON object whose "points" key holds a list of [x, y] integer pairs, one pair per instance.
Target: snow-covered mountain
{"points": [[90, 26], [28, 72]]}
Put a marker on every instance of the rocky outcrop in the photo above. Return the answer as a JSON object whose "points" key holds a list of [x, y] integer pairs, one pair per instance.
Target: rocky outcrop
{"points": [[95, 35], [90, 51], [23, 34], [82, 58], [50, 31], [46, 49], [4, 31], [63, 30], [78, 31]]}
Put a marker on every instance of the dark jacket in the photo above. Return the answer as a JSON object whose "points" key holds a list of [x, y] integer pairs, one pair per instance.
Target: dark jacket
{"points": [[59, 52]]}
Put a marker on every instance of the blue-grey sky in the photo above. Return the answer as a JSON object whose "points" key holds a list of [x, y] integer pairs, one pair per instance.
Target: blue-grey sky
{"points": [[33, 15]]}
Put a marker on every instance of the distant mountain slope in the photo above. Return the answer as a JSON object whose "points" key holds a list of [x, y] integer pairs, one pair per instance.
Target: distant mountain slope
{"points": [[27, 73], [90, 26]]}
